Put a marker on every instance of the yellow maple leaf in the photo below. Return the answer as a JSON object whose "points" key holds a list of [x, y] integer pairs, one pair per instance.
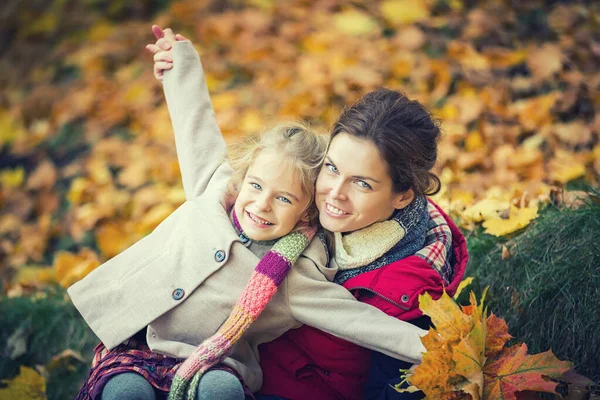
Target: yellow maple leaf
{"points": [[12, 178], [115, 236], [355, 22], [77, 190], [519, 218], [29, 384], [70, 267], [462, 285], [153, 217], [485, 209], [565, 167], [400, 12], [10, 128], [447, 317], [432, 375]]}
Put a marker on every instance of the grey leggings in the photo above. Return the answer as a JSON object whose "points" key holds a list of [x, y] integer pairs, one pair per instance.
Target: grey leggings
{"points": [[215, 384]]}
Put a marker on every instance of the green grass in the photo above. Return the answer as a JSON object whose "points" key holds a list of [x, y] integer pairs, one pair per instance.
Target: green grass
{"points": [[548, 290], [49, 324]]}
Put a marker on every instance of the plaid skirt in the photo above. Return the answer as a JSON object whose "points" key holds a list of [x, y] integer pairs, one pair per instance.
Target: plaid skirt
{"points": [[135, 356]]}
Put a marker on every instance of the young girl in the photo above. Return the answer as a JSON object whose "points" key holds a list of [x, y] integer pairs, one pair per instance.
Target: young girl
{"points": [[214, 279]]}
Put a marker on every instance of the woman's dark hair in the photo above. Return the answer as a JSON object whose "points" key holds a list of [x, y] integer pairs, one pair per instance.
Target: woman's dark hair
{"points": [[405, 133]]}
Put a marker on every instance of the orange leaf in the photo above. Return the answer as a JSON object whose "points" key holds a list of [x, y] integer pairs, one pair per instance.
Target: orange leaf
{"points": [[432, 376], [496, 337], [514, 371]]}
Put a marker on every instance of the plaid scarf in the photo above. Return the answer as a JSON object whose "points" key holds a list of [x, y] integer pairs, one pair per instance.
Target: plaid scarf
{"points": [[268, 274]]}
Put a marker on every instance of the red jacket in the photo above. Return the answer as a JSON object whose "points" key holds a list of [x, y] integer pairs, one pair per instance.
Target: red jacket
{"points": [[306, 363]]}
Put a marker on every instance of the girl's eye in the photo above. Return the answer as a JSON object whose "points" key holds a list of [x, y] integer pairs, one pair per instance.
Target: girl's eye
{"points": [[332, 168], [364, 184], [255, 185], [284, 199]]}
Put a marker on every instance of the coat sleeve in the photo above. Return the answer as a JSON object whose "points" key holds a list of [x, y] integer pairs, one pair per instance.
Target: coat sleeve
{"points": [[331, 308], [201, 148]]}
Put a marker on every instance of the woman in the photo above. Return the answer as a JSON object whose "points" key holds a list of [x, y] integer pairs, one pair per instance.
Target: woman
{"points": [[387, 241]]}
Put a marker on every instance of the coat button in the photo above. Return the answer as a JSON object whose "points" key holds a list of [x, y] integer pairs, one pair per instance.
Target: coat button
{"points": [[178, 294], [405, 298], [245, 239], [219, 256]]}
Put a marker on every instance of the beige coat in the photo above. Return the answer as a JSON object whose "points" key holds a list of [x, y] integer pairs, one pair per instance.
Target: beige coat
{"points": [[182, 280]]}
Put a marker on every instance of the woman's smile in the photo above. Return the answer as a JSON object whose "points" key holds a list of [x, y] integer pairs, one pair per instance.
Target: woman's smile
{"points": [[334, 211]]}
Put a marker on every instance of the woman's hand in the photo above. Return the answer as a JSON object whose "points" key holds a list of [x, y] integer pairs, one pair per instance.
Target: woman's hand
{"points": [[163, 57]]}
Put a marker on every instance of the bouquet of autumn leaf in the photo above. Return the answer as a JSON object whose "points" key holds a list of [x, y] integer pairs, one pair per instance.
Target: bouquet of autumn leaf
{"points": [[466, 356]]}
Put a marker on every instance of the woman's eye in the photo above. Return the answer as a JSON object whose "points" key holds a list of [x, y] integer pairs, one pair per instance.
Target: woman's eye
{"points": [[364, 184], [332, 168], [255, 185], [284, 199]]}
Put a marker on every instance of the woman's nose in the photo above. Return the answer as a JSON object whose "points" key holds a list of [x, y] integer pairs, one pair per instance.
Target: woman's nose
{"points": [[337, 191]]}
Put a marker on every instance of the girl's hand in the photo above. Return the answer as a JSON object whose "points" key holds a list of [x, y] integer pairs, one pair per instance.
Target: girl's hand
{"points": [[163, 59]]}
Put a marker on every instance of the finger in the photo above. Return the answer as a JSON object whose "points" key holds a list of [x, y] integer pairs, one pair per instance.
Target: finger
{"points": [[158, 75], [163, 56], [162, 66], [169, 35], [164, 44], [180, 37], [157, 31], [152, 48]]}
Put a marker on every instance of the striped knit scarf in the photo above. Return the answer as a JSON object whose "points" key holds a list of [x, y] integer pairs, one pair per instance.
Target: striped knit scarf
{"points": [[268, 274]]}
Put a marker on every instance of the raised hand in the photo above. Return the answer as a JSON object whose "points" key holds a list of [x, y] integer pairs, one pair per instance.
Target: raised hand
{"points": [[163, 58]]}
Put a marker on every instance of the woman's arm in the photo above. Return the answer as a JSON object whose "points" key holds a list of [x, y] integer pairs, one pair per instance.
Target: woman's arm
{"points": [[324, 305], [200, 144]]}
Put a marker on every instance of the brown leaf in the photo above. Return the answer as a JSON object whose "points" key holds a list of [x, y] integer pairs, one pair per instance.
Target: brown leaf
{"points": [[505, 252], [545, 61], [44, 176]]}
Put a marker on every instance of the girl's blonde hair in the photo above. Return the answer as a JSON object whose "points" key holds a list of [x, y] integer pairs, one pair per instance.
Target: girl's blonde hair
{"points": [[301, 147]]}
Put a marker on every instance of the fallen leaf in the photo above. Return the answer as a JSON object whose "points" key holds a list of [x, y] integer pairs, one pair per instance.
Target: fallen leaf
{"points": [[12, 178], [514, 370], [401, 12], [518, 219], [29, 384], [44, 176], [545, 61], [354, 22], [505, 252]]}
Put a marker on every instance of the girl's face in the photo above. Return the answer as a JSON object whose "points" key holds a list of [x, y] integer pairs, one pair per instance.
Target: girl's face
{"points": [[354, 188], [271, 200]]}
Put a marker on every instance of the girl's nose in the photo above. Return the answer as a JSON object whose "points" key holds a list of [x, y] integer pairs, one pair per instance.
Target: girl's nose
{"points": [[263, 203]]}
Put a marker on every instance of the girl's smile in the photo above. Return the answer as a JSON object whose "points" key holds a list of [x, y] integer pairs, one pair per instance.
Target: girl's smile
{"points": [[263, 223]]}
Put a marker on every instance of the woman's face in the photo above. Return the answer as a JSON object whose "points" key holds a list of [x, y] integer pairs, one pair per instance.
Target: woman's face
{"points": [[354, 188]]}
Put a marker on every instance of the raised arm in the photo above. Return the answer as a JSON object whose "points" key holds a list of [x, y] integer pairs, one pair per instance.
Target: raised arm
{"points": [[200, 144], [329, 307]]}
